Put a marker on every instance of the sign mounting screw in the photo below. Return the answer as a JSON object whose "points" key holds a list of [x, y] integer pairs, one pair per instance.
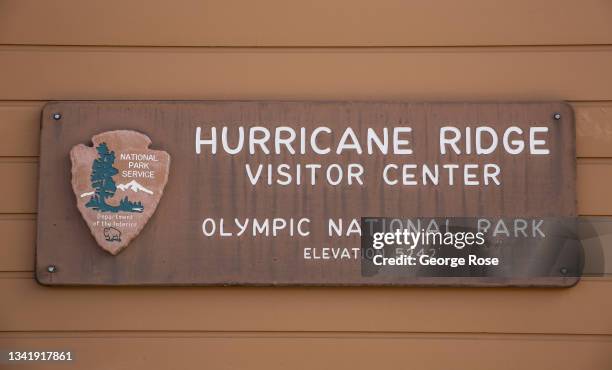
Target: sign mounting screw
{"points": [[57, 116], [51, 268], [557, 116], [563, 271]]}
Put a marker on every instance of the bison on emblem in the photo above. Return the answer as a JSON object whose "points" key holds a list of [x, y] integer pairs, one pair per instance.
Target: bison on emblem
{"points": [[112, 235]]}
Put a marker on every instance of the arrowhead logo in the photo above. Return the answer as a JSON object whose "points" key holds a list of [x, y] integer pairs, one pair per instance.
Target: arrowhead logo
{"points": [[118, 183]]}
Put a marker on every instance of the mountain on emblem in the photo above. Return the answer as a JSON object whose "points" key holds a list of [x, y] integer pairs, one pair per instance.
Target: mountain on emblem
{"points": [[134, 186], [108, 195]]}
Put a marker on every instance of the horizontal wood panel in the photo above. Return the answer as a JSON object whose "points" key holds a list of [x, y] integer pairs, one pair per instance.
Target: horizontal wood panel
{"points": [[20, 194], [308, 23], [593, 129], [583, 309], [593, 184], [512, 73], [323, 351], [18, 242], [20, 128]]}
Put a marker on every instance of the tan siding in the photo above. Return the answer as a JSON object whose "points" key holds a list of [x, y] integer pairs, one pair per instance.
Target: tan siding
{"points": [[593, 129], [18, 243], [19, 195], [594, 182], [584, 309], [19, 128], [504, 73], [322, 351], [305, 23]]}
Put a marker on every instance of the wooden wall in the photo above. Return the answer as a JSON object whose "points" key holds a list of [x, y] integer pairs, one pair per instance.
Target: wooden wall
{"points": [[316, 49]]}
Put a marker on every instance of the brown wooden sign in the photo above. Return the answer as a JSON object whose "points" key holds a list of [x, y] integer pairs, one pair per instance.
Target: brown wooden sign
{"points": [[275, 193]]}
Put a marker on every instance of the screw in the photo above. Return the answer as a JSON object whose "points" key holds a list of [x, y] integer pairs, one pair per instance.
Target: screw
{"points": [[57, 116], [557, 116], [563, 271], [51, 268]]}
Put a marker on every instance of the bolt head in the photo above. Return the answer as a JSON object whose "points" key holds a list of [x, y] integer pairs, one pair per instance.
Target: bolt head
{"points": [[563, 270], [557, 116], [57, 116], [51, 268]]}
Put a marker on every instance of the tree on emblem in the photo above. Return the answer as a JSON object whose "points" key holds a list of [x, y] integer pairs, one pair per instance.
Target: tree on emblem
{"points": [[102, 172]]}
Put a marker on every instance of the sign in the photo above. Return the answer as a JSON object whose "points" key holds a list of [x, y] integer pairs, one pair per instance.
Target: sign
{"points": [[285, 193]]}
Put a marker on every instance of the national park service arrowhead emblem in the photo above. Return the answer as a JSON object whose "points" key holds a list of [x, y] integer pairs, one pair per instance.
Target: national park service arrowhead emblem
{"points": [[118, 184]]}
